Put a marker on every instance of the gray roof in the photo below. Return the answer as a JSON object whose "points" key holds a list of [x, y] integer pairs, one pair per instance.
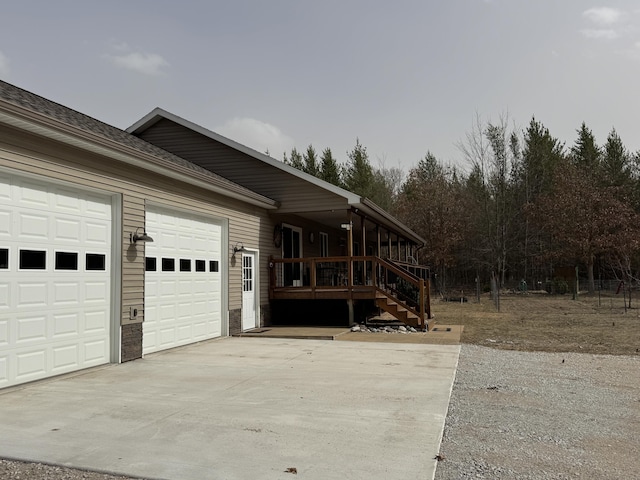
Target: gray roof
{"points": [[39, 105]]}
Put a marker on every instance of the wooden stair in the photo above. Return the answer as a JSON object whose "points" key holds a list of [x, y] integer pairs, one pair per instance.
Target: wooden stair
{"points": [[398, 310]]}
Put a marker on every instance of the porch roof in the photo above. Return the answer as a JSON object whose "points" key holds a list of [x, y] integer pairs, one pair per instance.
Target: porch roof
{"points": [[296, 192]]}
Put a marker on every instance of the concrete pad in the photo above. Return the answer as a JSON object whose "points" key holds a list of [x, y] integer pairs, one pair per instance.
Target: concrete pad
{"points": [[240, 408]]}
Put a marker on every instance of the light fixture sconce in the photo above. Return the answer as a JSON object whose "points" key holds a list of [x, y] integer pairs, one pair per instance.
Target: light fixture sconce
{"points": [[346, 226], [238, 247], [135, 237]]}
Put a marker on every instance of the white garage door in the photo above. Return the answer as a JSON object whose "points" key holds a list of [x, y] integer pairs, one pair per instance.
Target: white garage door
{"points": [[183, 288], [55, 295]]}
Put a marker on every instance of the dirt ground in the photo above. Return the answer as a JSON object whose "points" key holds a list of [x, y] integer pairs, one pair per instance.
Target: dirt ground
{"points": [[549, 323]]}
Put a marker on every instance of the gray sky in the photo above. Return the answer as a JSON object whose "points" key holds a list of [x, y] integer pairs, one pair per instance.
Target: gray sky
{"points": [[404, 77]]}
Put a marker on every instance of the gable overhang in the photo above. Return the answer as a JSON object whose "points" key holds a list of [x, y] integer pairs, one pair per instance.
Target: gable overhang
{"points": [[334, 199], [41, 125]]}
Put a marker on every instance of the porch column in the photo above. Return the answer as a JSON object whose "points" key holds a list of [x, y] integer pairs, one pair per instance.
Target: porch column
{"points": [[398, 243], [363, 232], [379, 254], [389, 244], [350, 234], [350, 248]]}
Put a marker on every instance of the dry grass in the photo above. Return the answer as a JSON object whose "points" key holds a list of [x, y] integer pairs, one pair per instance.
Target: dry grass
{"points": [[549, 323]]}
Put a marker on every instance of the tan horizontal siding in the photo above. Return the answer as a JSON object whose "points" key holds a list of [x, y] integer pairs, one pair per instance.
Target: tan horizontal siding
{"points": [[137, 187]]}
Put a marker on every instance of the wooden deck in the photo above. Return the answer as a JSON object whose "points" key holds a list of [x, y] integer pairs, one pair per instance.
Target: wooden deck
{"points": [[393, 287]]}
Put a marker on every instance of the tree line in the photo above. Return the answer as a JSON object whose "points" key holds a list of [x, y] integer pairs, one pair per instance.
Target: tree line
{"points": [[525, 205]]}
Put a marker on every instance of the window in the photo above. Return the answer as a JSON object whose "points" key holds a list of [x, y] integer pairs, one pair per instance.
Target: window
{"points": [[4, 258], [247, 273], [96, 261], [185, 265], [66, 261], [150, 264], [213, 265], [201, 266], [33, 259], [168, 265], [324, 244]]}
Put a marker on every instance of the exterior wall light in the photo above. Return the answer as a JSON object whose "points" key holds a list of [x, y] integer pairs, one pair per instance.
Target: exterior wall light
{"points": [[238, 247], [135, 237]]}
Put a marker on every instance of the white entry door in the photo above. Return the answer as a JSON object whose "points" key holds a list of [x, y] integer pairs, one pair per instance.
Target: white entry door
{"points": [[248, 291]]}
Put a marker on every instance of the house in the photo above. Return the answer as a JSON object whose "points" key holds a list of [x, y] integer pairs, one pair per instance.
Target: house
{"points": [[316, 228], [115, 244]]}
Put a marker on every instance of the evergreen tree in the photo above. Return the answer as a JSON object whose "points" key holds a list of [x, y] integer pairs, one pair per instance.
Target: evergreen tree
{"points": [[585, 153], [358, 175], [330, 170], [616, 162], [310, 162], [295, 159]]}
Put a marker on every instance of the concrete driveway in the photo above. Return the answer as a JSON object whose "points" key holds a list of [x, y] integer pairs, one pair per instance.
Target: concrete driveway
{"points": [[243, 408]]}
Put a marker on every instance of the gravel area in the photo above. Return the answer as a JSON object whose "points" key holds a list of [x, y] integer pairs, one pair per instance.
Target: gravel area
{"points": [[14, 470], [533, 415]]}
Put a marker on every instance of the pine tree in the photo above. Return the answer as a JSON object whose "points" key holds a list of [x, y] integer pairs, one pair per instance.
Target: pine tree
{"points": [[585, 154], [295, 159], [310, 160], [330, 170], [358, 175]]}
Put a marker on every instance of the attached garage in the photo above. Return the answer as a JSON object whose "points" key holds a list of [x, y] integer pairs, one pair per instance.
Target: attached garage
{"points": [[55, 279], [183, 286], [76, 290]]}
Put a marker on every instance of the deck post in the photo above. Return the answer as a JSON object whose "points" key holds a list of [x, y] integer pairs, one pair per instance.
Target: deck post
{"points": [[352, 318], [422, 304], [428, 291], [312, 280]]}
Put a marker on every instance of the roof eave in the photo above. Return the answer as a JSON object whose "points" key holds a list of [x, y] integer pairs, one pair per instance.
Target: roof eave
{"points": [[370, 208], [42, 125]]}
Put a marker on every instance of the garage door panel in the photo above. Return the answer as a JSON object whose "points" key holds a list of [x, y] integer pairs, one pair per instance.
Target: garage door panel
{"points": [[66, 293], [65, 358], [30, 194], [96, 233], [96, 291], [177, 310], [32, 226], [4, 372], [168, 288], [5, 223], [67, 201], [31, 364], [95, 351], [167, 313], [184, 332], [65, 325], [95, 322], [67, 230], [32, 329], [5, 296], [4, 332], [6, 187], [31, 294], [47, 295], [94, 206]]}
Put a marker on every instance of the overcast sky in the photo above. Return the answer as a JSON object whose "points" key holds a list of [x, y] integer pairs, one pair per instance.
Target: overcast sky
{"points": [[405, 77]]}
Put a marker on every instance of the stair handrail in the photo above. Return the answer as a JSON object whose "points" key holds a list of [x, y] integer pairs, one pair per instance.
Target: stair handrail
{"points": [[421, 284]]}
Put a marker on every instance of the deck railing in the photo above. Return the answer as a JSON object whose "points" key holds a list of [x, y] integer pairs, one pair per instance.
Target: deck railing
{"points": [[351, 277]]}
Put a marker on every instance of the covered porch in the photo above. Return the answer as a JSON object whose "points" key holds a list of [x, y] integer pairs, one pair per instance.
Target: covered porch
{"points": [[364, 257]]}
